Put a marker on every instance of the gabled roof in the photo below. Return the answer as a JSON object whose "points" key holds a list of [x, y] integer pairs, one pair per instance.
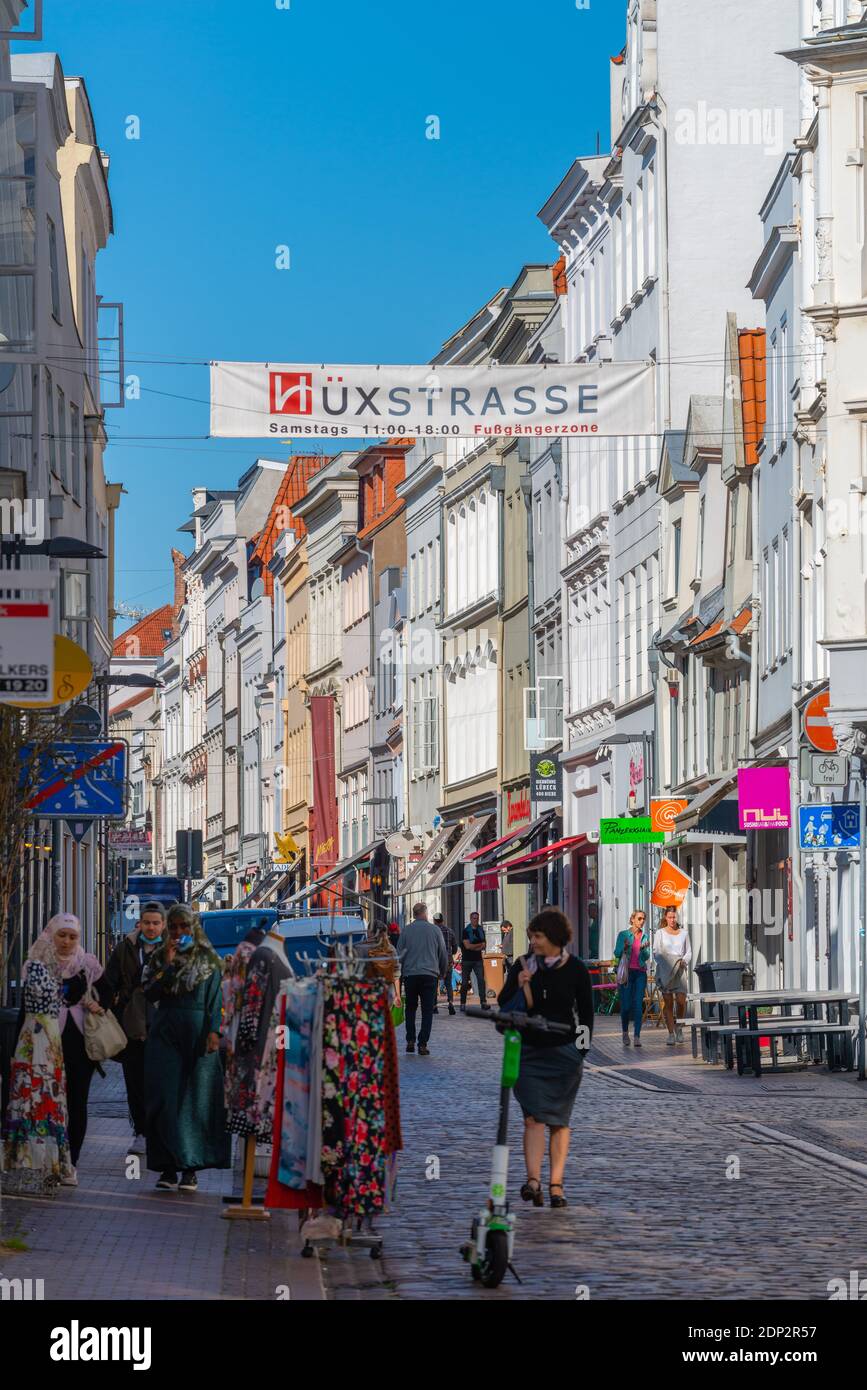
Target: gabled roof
{"points": [[302, 467], [147, 636]]}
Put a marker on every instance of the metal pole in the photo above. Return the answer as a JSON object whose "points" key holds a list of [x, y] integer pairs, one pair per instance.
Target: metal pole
{"points": [[862, 929]]}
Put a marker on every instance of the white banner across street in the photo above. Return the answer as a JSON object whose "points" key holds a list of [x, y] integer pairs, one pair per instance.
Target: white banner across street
{"points": [[254, 400]]}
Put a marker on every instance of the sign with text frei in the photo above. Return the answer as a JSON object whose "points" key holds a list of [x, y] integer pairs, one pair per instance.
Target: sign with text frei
{"points": [[764, 798], [254, 400]]}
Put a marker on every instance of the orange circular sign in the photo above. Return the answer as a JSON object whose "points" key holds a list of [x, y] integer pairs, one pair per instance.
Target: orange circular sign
{"points": [[817, 727]]}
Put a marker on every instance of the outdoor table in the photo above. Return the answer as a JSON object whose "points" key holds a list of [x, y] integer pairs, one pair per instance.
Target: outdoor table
{"points": [[748, 1002]]}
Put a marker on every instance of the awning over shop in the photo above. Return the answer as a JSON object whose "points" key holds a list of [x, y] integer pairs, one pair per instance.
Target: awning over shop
{"points": [[468, 836], [331, 875], [539, 858], [705, 802], [488, 858], [514, 839], [439, 840]]}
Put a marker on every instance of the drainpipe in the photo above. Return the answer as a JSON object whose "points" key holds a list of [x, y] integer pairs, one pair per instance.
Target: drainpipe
{"points": [[795, 926], [664, 363]]}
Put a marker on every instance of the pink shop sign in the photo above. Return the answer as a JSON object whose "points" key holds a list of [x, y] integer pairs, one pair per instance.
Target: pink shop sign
{"points": [[764, 798]]}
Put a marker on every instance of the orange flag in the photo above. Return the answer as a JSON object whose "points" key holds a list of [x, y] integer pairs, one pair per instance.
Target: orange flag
{"points": [[671, 885]]}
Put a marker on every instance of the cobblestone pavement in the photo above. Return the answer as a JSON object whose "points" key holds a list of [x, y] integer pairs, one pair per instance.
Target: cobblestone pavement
{"points": [[115, 1237], [653, 1212]]}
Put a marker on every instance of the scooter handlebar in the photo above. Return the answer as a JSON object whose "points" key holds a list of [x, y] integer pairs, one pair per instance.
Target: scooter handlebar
{"points": [[518, 1020]]}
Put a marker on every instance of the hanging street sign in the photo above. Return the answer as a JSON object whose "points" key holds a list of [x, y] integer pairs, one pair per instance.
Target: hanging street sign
{"points": [[73, 673], [817, 726], [546, 780], [764, 798], [829, 826], [629, 830], [254, 400], [130, 840], [26, 649], [76, 780], [664, 810]]}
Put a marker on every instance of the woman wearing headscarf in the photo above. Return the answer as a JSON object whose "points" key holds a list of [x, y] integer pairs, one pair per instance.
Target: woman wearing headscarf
{"points": [[51, 1071], [185, 1116]]}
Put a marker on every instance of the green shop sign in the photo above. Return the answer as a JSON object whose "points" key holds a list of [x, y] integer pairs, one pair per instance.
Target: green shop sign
{"points": [[629, 830]]}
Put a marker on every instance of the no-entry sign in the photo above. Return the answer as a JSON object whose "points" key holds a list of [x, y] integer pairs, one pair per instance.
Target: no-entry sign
{"points": [[26, 650], [817, 727]]}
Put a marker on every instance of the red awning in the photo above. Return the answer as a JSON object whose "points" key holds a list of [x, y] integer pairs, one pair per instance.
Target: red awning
{"points": [[537, 858], [520, 832]]}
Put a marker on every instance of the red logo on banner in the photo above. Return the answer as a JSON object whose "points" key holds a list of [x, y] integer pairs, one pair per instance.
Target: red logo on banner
{"points": [[291, 393]]}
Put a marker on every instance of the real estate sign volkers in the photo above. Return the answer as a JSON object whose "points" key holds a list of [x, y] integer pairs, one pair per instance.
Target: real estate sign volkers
{"points": [[280, 399]]}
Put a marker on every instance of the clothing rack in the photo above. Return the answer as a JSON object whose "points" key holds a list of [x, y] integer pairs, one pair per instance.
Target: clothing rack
{"points": [[344, 961]]}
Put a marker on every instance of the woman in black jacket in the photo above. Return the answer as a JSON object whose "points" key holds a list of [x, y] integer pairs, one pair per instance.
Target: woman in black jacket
{"points": [[556, 986]]}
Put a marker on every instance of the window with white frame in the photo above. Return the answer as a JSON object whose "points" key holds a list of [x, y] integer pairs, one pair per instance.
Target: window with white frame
{"points": [[424, 717], [471, 714], [471, 555]]}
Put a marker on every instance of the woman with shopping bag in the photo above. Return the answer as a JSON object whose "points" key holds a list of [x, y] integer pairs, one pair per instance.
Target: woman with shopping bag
{"points": [[52, 1071], [632, 952]]}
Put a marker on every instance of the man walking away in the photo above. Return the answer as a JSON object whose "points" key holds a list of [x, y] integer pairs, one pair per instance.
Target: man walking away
{"points": [[422, 954], [451, 948], [472, 950], [123, 978]]}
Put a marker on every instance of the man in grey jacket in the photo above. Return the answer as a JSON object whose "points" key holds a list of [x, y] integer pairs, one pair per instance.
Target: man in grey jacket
{"points": [[423, 960]]}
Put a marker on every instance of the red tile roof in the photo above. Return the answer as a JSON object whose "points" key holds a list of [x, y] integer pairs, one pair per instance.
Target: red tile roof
{"points": [[147, 636], [751, 351], [302, 467], [558, 274]]}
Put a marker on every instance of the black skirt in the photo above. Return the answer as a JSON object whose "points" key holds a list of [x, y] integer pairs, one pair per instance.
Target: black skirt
{"points": [[548, 1083]]}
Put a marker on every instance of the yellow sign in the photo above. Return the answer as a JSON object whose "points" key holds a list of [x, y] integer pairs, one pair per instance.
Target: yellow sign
{"points": [[73, 673], [287, 847]]}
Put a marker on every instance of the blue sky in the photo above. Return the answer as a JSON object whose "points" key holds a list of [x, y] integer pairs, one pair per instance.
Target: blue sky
{"points": [[305, 127]]}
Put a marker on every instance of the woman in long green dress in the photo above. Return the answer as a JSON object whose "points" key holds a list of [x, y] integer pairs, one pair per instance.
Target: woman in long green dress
{"points": [[184, 1106]]}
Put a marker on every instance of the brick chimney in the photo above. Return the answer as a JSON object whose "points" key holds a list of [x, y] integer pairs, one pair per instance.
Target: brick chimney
{"points": [[178, 562]]}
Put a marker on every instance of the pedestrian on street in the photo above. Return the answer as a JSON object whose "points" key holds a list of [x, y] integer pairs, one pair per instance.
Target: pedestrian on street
{"points": [[394, 933], [36, 1153], [632, 952], [451, 949], [185, 1115], [123, 979], [672, 952], [422, 954], [507, 942], [556, 986], [472, 965]]}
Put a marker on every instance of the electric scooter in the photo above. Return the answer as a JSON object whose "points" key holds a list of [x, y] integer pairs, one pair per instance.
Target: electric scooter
{"points": [[489, 1249]]}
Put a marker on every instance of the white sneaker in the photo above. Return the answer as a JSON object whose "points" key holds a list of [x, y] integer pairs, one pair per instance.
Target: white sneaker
{"points": [[70, 1179], [680, 1035], [670, 1040]]}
